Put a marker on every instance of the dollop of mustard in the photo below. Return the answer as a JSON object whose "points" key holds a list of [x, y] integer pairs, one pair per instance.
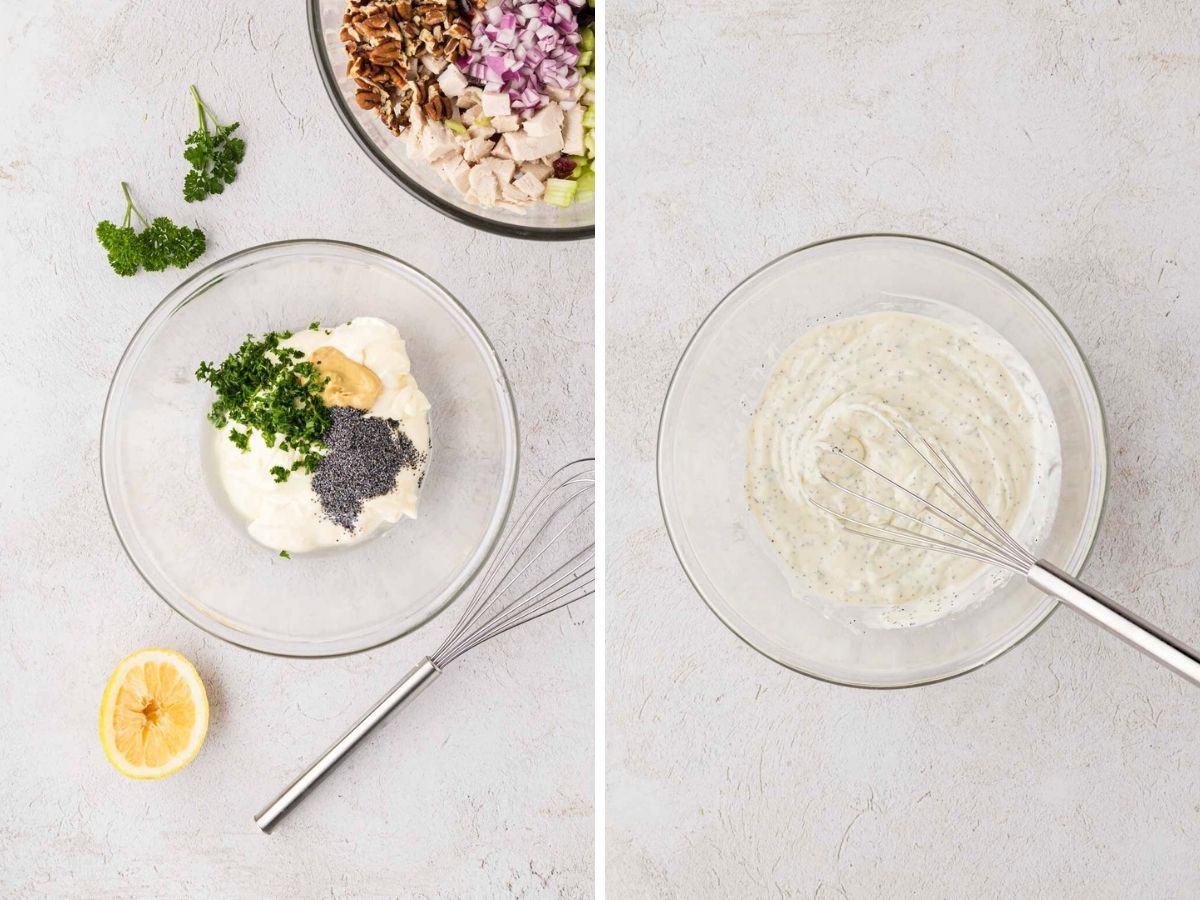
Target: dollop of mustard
{"points": [[350, 383]]}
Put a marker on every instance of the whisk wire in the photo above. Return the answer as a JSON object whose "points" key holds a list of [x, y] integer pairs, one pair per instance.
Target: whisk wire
{"points": [[551, 603], [984, 538], [511, 577], [504, 599], [982, 514], [561, 581], [977, 542], [979, 550], [484, 593]]}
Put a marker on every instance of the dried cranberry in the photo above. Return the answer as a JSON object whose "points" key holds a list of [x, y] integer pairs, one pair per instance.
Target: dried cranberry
{"points": [[563, 167]]}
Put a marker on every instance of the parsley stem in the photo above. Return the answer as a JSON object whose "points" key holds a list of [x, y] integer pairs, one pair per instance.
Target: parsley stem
{"points": [[130, 205], [205, 112]]}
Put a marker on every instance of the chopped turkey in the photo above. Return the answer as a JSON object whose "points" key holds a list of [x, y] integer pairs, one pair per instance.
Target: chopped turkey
{"points": [[436, 141], [530, 184], [433, 64], [477, 149], [468, 98], [513, 194], [548, 120], [573, 132], [461, 179], [452, 81], [496, 103], [503, 169], [538, 170], [506, 123], [525, 146], [483, 186]]}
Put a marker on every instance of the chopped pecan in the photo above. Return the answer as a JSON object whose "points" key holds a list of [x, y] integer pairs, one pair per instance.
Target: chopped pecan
{"points": [[386, 54], [438, 108], [384, 41]]}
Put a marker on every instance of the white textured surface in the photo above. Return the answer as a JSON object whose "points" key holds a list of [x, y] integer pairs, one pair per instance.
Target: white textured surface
{"points": [[1060, 140], [483, 787]]}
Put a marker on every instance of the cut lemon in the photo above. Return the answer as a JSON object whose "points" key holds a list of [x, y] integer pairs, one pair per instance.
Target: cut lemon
{"points": [[154, 714]]}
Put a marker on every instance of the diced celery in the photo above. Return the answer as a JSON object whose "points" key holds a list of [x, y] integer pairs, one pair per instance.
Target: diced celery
{"points": [[589, 141], [589, 117], [589, 81], [588, 39], [585, 187], [585, 58], [559, 192], [456, 126], [484, 120], [580, 164]]}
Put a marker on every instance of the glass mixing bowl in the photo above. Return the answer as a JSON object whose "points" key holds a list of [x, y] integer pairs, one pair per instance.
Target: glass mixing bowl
{"points": [[174, 522], [716, 388], [540, 222]]}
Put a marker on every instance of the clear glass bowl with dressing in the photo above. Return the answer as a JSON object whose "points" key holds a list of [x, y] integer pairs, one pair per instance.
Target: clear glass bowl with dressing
{"points": [[540, 222], [178, 528], [716, 388]]}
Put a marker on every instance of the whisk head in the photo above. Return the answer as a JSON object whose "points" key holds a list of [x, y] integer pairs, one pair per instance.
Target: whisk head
{"points": [[546, 560], [963, 526]]}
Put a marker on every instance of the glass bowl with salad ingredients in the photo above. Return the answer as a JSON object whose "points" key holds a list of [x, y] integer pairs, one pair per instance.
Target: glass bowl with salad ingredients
{"points": [[483, 109], [256, 351]]}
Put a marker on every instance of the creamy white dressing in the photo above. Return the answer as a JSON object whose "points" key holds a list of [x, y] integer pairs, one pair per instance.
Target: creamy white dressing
{"points": [[849, 384], [288, 515]]}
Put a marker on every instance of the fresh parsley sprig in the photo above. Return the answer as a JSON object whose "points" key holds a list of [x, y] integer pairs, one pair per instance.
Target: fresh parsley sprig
{"points": [[214, 155], [160, 243], [267, 387]]}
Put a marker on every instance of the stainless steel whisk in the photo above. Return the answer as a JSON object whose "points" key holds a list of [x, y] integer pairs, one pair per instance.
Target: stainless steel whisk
{"points": [[968, 529], [546, 560]]}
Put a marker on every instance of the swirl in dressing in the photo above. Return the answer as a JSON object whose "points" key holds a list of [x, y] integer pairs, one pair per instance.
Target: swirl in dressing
{"points": [[850, 384]]}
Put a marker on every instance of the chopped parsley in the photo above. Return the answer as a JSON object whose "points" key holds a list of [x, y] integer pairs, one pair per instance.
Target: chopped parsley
{"points": [[313, 326], [285, 554], [269, 388]]}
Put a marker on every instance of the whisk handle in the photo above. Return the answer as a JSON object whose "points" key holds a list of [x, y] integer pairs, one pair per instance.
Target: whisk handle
{"points": [[411, 685], [1108, 614]]}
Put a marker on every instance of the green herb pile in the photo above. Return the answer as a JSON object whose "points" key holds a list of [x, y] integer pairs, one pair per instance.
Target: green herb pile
{"points": [[214, 155], [159, 244], [267, 387]]}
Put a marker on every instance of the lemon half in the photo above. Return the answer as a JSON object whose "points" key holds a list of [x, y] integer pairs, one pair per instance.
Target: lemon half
{"points": [[154, 714]]}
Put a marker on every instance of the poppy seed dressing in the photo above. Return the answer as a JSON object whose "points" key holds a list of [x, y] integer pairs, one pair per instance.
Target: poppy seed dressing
{"points": [[855, 384], [364, 454]]}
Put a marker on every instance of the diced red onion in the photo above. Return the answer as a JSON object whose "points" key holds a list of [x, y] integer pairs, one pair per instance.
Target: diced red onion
{"points": [[526, 49]]}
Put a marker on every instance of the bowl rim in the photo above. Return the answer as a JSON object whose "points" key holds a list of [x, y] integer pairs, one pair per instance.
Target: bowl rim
{"points": [[508, 409], [659, 465], [417, 190]]}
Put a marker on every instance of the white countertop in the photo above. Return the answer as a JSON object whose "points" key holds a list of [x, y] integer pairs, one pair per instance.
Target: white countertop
{"points": [[484, 786], [1062, 141]]}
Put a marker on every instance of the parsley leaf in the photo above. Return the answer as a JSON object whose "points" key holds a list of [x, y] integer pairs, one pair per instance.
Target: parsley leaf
{"points": [[214, 155], [159, 244], [285, 554], [266, 387]]}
